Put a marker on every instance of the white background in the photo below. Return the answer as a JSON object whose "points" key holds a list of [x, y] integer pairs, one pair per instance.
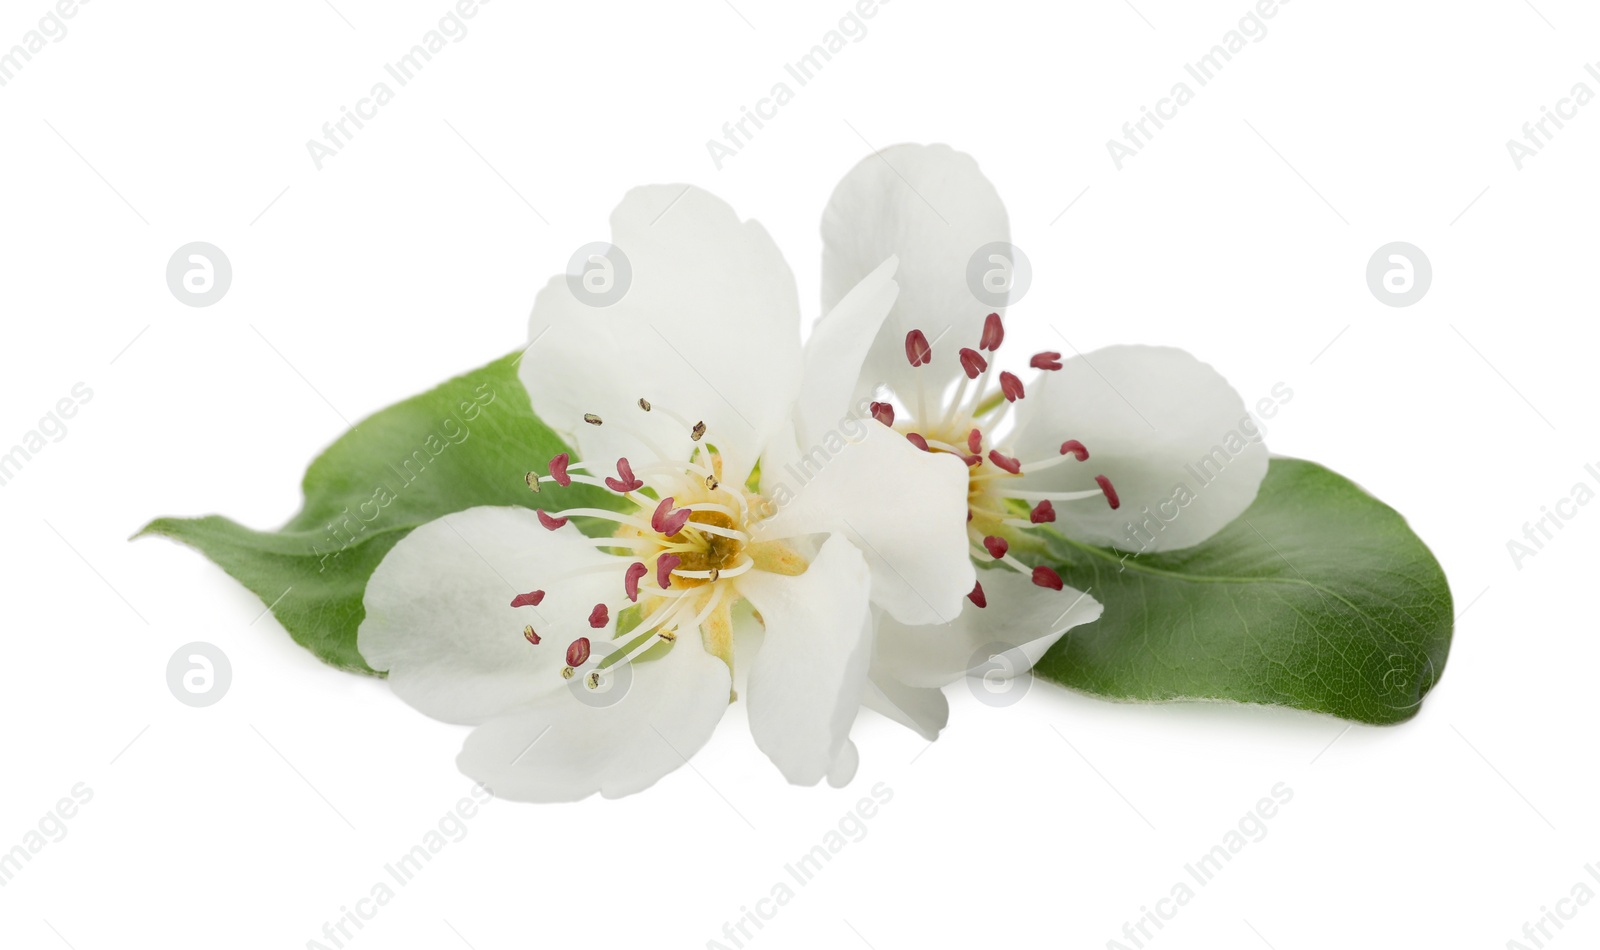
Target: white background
{"points": [[1242, 233]]}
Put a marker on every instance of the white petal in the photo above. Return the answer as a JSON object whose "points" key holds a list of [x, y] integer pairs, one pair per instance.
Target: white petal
{"points": [[931, 206], [708, 328], [844, 767], [806, 682], [1166, 429], [1022, 621], [562, 749], [923, 710], [781, 453], [836, 351], [439, 618], [904, 508]]}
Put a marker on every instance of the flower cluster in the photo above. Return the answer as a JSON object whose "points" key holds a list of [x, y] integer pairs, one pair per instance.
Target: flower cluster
{"points": [[600, 659]]}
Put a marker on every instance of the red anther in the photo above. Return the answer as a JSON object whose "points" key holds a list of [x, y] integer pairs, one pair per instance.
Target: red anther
{"points": [[996, 547], [975, 441], [531, 599], [917, 349], [993, 332], [674, 522], [658, 518], [578, 650], [973, 362], [599, 616], [665, 565], [626, 482], [1046, 577], [1049, 359], [976, 595], [530, 635], [1076, 448], [1042, 513], [558, 469], [1011, 386], [969, 514], [917, 441], [883, 412], [630, 581], [972, 460], [1005, 461], [1110, 493], [548, 521]]}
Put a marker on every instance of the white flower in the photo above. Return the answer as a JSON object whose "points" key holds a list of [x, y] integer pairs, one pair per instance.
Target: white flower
{"points": [[601, 664], [1097, 444]]}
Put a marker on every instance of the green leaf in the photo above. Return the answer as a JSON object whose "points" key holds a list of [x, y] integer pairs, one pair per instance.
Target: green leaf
{"points": [[1319, 597], [467, 443]]}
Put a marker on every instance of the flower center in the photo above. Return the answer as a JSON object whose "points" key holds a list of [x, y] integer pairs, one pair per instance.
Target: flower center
{"points": [[980, 405], [712, 553], [681, 538]]}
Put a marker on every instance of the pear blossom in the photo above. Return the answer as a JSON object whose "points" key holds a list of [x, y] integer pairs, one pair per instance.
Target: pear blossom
{"points": [[600, 664], [1094, 446]]}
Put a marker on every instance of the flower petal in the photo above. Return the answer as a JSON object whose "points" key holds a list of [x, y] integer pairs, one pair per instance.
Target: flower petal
{"points": [[1022, 621], [931, 206], [845, 765], [439, 618], [707, 329], [806, 681], [562, 749], [836, 351], [1166, 429], [904, 508], [923, 710]]}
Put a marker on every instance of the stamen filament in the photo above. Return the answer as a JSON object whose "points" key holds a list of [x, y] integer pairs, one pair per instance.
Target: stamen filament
{"points": [[956, 402], [645, 633], [1010, 560], [945, 447], [675, 468], [1043, 464], [711, 506], [606, 515], [675, 417], [616, 541], [1056, 495], [590, 480], [744, 565], [712, 602], [988, 404], [991, 512], [733, 533]]}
